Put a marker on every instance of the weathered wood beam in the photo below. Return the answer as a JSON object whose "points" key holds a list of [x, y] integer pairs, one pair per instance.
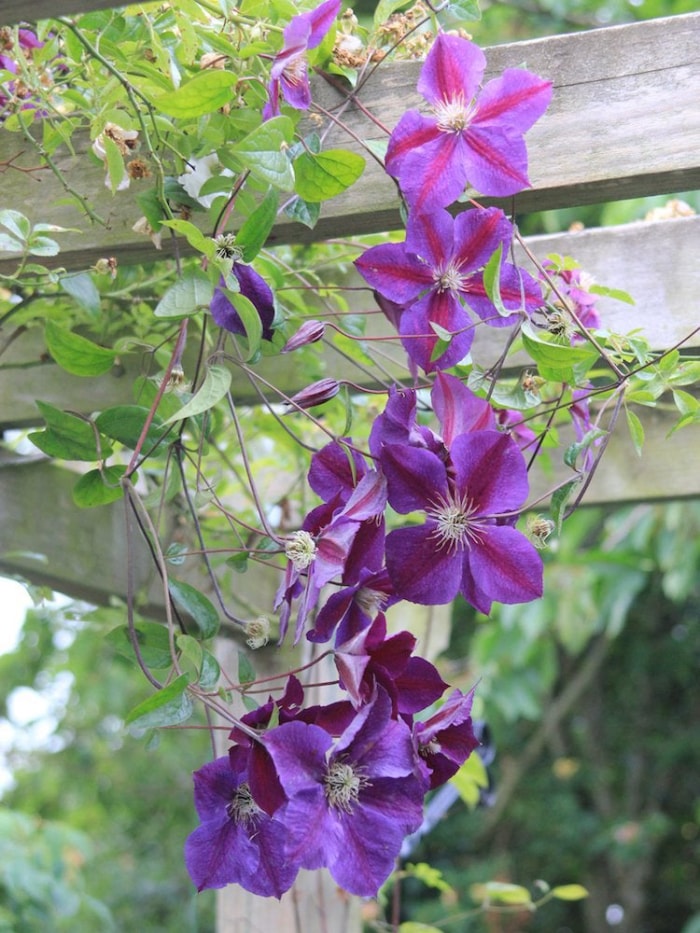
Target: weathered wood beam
{"points": [[83, 552], [19, 11], [629, 257], [624, 122]]}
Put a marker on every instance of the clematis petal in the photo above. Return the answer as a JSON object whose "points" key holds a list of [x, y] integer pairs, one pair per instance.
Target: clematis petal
{"points": [[396, 273], [490, 469], [452, 70], [497, 161], [507, 566], [515, 100], [458, 409], [420, 340], [420, 571], [415, 477], [477, 236]]}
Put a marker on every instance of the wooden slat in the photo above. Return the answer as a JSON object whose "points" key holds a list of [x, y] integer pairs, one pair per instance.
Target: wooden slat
{"points": [[629, 257], [82, 552], [19, 11], [624, 123]]}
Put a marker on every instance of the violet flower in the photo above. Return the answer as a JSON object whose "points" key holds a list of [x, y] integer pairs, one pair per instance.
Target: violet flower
{"points": [[289, 73], [237, 842], [446, 739], [467, 544], [352, 802], [439, 268], [470, 137], [253, 287]]}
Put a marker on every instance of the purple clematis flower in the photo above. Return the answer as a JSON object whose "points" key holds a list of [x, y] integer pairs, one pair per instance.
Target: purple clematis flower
{"points": [[237, 842], [350, 802], [437, 270], [289, 72], [468, 543], [446, 739], [253, 287], [469, 138]]}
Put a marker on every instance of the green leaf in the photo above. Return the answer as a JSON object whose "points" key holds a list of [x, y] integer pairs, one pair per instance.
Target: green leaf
{"points": [[569, 892], [323, 176], [429, 876], [99, 487], [636, 430], [205, 93], [246, 671], [264, 152], [187, 296], [469, 780], [124, 423], [10, 245], [556, 361], [574, 451], [215, 386], [16, 223], [617, 294], [492, 282], [686, 403], [304, 212], [82, 288], [559, 500], [169, 707], [252, 236], [42, 246], [385, 8], [459, 13], [190, 651], [193, 235], [209, 672], [500, 892], [153, 642], [67, 436], [115, 163], [197, 606], [413, 926], [77, 355]]}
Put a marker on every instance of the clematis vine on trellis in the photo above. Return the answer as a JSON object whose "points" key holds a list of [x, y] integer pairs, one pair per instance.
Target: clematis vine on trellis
{"points": [[422, 505]]}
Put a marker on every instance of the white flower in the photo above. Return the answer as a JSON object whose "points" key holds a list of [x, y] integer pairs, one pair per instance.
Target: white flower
{"points": [[199, 171]]}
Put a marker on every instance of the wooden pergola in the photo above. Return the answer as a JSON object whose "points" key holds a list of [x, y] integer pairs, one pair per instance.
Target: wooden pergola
{"points": [[624, 123]]}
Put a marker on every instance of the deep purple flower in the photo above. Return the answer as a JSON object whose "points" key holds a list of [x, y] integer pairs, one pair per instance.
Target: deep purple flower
{"points": [[237, 842], [572, 286], [353, 608], [369, 660], [446, 739], [319, 392], [347, 532], [439, 268], [468, 543], [352, 802], [469, 138], [253, 287], [512, 421], [289, 73]]}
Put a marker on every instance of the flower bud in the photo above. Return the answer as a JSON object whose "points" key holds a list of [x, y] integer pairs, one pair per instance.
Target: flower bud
{"points": [[309, 332], [316, 394]]}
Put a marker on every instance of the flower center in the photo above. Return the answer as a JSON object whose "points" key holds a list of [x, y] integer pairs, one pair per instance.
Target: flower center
{"points": [[453, 115], [342, 785], [301, 549], [242, 808], [449, 279], [369, 601], [455, 525], [295, 70]]}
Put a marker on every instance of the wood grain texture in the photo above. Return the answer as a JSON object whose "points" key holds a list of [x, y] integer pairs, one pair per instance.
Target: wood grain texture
{"points": [[624, 122], [20, 11], [655, 262]]}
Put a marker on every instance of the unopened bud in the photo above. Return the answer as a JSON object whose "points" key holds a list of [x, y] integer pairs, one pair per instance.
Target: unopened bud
{"points": [[316, 394], [309, 332]]}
